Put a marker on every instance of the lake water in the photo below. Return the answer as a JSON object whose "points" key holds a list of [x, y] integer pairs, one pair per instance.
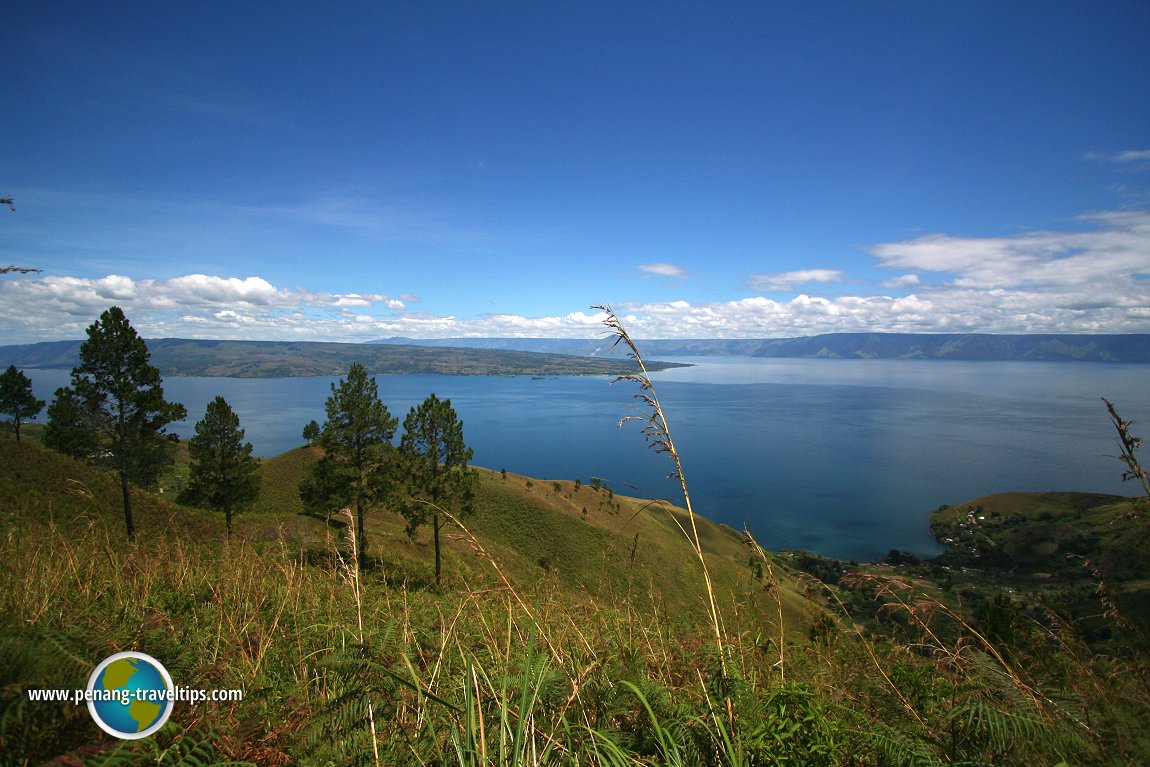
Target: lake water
{"points": [[846, 458]]}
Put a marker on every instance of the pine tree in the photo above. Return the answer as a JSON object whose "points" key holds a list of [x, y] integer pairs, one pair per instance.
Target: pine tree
{"points": [[17, 399], [117, 399], [224, 475], [70, 429], [435, 459], [356, 441]]}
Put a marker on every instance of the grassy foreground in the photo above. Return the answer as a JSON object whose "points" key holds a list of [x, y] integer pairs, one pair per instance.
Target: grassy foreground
{"points": [[572, 628]]}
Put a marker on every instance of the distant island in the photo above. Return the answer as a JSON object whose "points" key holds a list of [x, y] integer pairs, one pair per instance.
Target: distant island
{"points": [[279, 359], [1045, 347]]}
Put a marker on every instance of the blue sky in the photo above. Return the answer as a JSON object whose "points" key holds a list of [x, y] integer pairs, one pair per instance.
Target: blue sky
{"points": [[289, 170]]}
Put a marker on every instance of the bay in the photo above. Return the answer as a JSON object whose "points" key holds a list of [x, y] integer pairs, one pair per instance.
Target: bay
{"points": [[846, 458]]}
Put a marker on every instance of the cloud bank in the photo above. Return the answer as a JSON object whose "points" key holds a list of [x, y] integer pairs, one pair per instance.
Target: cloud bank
{"points": [[192, 306], [1092, 278]]}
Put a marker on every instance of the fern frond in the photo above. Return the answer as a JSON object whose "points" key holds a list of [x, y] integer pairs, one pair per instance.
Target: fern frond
{"points": [[900, 748], [205, 747], [1002, 731]]}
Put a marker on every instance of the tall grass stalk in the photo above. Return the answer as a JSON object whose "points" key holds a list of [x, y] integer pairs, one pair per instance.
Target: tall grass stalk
{"points": [[479, 549], [776, 593], [351, 574], [918, 607], [1129, 444], [657, 432], [520, 741], [868, 647]]}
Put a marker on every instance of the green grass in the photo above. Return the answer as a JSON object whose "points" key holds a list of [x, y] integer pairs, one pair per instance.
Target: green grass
{"points": [[601, 655], [37, 485]]}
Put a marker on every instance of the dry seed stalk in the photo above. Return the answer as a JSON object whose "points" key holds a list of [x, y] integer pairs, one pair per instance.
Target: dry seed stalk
{"points": [[351, 574], [1128, 443], [775, 591], [657, 433]]}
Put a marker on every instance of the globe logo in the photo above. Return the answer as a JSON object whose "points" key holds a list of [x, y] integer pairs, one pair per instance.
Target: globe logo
{"points": [[130, 695]]}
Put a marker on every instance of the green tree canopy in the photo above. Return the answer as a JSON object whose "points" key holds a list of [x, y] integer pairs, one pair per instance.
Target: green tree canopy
{"points": [[70, 429], [224, 475], [17, 399], [356, 441], [117, 399], [435, 461]]}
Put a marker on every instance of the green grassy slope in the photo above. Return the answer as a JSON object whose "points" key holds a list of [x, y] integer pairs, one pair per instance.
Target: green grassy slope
{"points": [[38, 485], [580, 635], [587, 540]]}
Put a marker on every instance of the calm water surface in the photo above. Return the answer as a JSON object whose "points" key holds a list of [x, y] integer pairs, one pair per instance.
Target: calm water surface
{"points": [[842, 457]]}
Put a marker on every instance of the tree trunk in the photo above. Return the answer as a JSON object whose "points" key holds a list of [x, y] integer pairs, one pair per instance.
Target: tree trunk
{"points": [[127, 498], [360, 540], [438, 558], [121, 437]]}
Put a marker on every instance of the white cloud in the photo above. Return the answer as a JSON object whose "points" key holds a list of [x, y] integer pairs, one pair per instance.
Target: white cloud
{"points": [[195, 304], [1137, 159], [663, 270], [788, 280], [203, 288], [363, 300], [1132, 155], [945, 308], [902, 281], [1092, 278], [1102, 258], [114, 287]]}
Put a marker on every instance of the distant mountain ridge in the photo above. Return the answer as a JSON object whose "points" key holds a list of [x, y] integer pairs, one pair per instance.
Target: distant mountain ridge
{"points": [[559, 356], [1048, 347], [275, 359]]}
